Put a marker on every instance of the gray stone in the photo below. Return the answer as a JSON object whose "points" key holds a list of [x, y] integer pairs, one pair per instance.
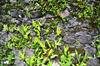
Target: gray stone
{"points": [[35, 14], [28, 52], [17, 21], [92, 62], [14, 13], [49, 16], [60, 25], [55, 63], [10, 35], [22, 1], [42, 20], [91, 51], [86, 23], [64, 13], [18, 62], [51, 37], [83, 37], [2, 42], [13, 1], [4, 36], [69, 38], [73, 22]]}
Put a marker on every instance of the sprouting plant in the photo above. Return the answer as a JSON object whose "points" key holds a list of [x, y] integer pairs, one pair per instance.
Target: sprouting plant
{"points": [[57, 43], [9, 12], [37, 41], [22, 56], [11, 58], [31, 61], [77, 42], [50, 63], [37, 27], [9, 45], [79, 56], [6, 27], [27, 13], [66, 49], [12, 28], [58, 32], [80, 15], [48, 43], [47, 31], [66, 61]]}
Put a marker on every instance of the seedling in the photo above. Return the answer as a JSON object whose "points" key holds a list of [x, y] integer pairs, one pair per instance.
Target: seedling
{"points": [[58, 31], [27, 13], [11, 58], [22, 55]]}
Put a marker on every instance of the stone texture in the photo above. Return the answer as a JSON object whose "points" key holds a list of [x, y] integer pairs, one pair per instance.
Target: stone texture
{"points": [[91, 51], [51, 37], [2, 42], [64, 13], [92, 62]]}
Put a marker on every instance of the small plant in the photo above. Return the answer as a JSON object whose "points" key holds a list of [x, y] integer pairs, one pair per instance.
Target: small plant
{"points": [[11, 58], [27, 13], [22, 56], [6, 27], [31, 61], [58, 31], [82, 63]]}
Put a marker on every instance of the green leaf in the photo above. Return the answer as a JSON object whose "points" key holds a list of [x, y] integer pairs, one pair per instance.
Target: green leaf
{"points": [[9, 12], [43, 12], [48, 43], [6, 27], [48, 30], [58, 31], [66, 49], [33, 23], [63, 58], [50, 52], [76, 52], [44, 60], [27, 13], [80, 15], [50, 63], [26, 36], [53, 56]]}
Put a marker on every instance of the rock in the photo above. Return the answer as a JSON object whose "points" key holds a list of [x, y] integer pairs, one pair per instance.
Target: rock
{"points": [[28, 52], [17, 21], [64, 13], [18, 62], [22, 1], [73, 23], [2, 42], [1, 27], [83, 37], [86, 23], [35, 14], [69, 38], [42, 20], [51, 37], [91, 51], [55, 63], [10, 35], [14, 13], [4, 36], [92, 62], [60, 25], [12, 1], [48, 16]]}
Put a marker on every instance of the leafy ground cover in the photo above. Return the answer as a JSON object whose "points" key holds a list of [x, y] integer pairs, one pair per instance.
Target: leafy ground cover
{"points": [[45, 52]]}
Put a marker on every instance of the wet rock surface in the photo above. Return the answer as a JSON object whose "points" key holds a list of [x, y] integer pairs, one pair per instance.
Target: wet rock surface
{"points": [[71, 32]]}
